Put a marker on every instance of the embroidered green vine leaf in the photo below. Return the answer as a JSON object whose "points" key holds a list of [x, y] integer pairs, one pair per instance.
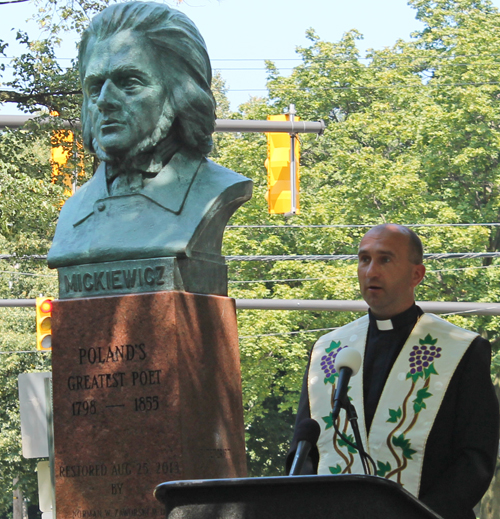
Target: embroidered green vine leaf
{"points": [[428, 340], [383, 468], [408, 453], [328, 420], [418, 406], [404, 444], [336, 470], [415, 376], [333, 346], [342, 443], [394, 415], [418, 403], [431, 370], [423, 393]]}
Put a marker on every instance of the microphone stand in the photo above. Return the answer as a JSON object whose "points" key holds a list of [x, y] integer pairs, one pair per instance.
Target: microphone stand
{"points": [[353, 419], [358, 445]]}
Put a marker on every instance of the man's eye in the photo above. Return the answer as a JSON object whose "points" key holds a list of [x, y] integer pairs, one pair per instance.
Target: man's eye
{"points": [[94, 90], [386, 259], [131, 83]]}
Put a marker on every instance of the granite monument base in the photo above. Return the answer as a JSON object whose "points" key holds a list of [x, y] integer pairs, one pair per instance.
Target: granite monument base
{"points": [[146, 388]]}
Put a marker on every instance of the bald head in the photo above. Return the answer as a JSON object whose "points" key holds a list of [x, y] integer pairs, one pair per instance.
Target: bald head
{"points": [[389, 268], [415, 247]]}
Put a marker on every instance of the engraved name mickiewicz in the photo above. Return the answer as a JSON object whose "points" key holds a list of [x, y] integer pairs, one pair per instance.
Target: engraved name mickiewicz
{"points": [[115, 279]]}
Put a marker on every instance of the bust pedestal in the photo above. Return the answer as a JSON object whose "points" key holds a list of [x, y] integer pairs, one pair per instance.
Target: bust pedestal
{"points": [[146, 388]]}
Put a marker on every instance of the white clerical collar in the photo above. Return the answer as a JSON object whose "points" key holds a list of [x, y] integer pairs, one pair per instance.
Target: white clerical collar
{"points": [[384, 325]]}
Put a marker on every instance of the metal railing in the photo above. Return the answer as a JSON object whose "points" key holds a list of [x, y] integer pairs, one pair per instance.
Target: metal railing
{"points": [[320, 305]]}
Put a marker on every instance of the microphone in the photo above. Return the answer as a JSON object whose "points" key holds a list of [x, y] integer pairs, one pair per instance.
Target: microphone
{"points": [[347, 364], [307, 435]]}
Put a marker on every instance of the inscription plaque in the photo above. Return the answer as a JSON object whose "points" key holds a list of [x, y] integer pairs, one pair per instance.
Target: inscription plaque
{"points": [[147, 389]]}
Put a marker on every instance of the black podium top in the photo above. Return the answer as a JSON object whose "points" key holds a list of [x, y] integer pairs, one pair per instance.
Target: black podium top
{"points": [[291, 497]]}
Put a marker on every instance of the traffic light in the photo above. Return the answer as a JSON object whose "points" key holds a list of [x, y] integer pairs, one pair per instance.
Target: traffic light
{"points": [[44, 323], [280, 170], [65, 148]]}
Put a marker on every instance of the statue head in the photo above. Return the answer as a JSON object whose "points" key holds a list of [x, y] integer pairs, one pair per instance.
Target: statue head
{"points": [[145, 70]]}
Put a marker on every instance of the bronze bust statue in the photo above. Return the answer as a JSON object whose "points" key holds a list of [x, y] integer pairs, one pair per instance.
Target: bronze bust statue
{"points": [[148, 114]]}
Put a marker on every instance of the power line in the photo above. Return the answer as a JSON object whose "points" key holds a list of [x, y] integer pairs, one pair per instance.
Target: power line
{"points": [[28, 274], [329, 278], [26, 257], [357, 226], [317, 59], [347, 257], [369, 87], [354, 66], [54, 276], [24, 351], [284, 333], [313, 257]]}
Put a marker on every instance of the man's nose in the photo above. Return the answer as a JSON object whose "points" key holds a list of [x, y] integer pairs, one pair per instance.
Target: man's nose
{"points": [[372, 269], [108, 96]]}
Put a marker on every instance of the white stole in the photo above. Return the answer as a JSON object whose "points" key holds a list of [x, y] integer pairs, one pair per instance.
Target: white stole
{"points": [[407, 407]]}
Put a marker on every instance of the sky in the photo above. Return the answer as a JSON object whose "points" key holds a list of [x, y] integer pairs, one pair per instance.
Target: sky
{"points": [[241, 34]]}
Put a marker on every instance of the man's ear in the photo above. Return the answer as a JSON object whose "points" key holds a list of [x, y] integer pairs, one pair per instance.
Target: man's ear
{"points": [[418, 274]]}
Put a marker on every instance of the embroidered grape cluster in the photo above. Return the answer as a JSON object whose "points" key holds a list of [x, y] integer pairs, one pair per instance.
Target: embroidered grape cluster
{"points": [[328, 364], [422, 357]]}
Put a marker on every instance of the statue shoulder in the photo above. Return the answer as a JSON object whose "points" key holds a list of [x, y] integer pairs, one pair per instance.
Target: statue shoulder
{"points": [[221, 174], [93, 185], [80, 204]]}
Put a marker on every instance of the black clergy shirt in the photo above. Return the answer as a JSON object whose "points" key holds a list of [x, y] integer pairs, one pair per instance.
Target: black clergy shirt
{"points": [[382, 349], [462, 446]]}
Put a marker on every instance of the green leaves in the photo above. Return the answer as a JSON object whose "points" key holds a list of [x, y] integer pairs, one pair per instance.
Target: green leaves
{"points": [[418, 403], [415, 376], [431, 370], [328, 421], [428, 340], [394, 415], [413, 136], [333, 346], [343, 443], [335, 470], [383, 468], [404, 445]]}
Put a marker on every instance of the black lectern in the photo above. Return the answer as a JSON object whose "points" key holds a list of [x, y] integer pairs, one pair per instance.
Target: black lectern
{"points": [[291, 497]]}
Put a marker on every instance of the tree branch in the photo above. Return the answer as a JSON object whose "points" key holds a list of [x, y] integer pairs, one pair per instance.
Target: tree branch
{"points": [[13, 2], [9, 96]]}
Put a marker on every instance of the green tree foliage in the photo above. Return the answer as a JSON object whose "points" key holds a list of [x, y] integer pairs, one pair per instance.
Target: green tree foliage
{"points": [[412, 137], [30, 200]]}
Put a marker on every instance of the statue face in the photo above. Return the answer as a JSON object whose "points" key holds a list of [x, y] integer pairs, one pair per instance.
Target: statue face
{"points": [[125, 92]]}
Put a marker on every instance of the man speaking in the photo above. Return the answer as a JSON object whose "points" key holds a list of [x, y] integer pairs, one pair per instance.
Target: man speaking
{"points": [[428, 414]]}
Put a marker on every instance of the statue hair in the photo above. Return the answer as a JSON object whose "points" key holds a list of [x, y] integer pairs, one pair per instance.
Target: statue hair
{"points": [[175, 37]]}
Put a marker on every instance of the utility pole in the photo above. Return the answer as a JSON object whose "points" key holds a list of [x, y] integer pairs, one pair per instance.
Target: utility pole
{"points": [[18, 507]]}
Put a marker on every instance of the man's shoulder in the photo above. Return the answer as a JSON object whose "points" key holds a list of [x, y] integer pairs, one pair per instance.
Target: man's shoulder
{"points": [[436, 321], [347, 330]]}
